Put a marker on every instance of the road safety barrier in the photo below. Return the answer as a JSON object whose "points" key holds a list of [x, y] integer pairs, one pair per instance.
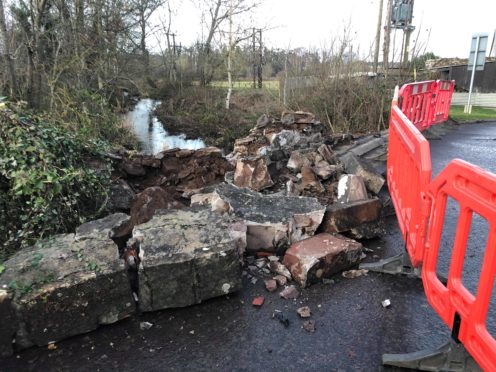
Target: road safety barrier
{"points": [[426, 103], [409, 168], [420, 208], [464, 312]]}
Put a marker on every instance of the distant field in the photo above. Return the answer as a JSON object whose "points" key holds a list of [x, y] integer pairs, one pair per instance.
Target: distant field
{"points": [[269, 84], [478, 113]]}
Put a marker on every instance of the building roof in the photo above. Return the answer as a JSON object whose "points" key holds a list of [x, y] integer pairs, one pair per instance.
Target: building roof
{"points": [[436, 64]]}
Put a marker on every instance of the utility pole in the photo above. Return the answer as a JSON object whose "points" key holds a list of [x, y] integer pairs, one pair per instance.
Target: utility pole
{"points": [[407, 33], [387, 37], [378, 36]]}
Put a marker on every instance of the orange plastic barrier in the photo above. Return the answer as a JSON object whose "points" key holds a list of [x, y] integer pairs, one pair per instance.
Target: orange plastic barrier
{"points": [[475, 190], [426, 103], [408, 175], [444, 92], [417, 101]]}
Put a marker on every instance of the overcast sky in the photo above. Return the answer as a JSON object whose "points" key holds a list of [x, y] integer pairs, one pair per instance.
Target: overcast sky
{"points": [[446, 24]]}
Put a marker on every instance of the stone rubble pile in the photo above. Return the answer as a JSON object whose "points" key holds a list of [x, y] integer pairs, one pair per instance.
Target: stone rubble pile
{"points": [[196, 222]]}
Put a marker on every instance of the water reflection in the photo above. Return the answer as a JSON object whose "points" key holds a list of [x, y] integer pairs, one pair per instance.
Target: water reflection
{"points": [[151, 133]]}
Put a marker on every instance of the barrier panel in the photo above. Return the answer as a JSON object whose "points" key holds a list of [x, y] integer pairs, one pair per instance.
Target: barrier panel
{"points": [[408, 175], [417, 101], [465, 313], [444, 92]]}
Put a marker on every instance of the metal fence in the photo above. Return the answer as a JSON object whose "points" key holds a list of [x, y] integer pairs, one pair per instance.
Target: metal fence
{"points": [[478, 99]]}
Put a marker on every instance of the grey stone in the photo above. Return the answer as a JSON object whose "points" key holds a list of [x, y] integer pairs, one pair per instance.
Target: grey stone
{"points": [[68, 285], [188, 256], [121, 196], [359, 167]]}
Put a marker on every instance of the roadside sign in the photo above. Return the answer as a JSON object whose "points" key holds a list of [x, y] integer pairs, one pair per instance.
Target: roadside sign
{"points": [[478, 47], [476, 62]]}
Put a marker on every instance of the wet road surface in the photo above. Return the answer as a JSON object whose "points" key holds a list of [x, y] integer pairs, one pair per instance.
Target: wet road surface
{"points": [[353, 330]]}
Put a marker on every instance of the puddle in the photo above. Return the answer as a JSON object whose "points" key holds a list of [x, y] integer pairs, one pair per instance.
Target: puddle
{"points": [[151, 133]]}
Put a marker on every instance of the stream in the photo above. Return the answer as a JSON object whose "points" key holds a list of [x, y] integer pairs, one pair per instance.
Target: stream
{"points": [[151, 132]]}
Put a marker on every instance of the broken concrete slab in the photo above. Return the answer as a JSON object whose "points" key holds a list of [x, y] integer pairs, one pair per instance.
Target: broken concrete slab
{"points": [[359, 167], [67, 285], [273, 221], [252, 173], [188, 256], [321, 256], [351, 188], [341, 217]]}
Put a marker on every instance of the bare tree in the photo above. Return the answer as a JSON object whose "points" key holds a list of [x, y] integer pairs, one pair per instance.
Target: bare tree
{"points": [[6, 52]]}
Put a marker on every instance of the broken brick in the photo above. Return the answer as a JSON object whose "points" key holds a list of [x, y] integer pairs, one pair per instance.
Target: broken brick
{"points": [[270, 285], [321, 256], [258, 301]]}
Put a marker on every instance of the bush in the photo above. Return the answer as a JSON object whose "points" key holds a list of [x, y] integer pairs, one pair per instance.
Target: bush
{"points": [[46, 183]]}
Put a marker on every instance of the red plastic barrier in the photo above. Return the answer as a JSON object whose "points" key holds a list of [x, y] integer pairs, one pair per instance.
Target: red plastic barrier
{"points": [[444, 92], [475, 190], [417, 101], [408, 175]]}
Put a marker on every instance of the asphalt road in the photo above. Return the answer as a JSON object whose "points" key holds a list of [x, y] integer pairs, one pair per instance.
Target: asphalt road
{"points": [[353, 330]]}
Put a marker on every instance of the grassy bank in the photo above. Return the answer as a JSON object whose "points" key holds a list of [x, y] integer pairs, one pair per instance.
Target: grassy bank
{"points": [[478, 113]]}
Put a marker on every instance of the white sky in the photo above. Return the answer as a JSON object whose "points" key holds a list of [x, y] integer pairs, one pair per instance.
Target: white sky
{"points": [[313, 23]]}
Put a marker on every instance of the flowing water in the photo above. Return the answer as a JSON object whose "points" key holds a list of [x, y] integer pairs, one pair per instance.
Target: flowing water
{"points": [[151, 133]]}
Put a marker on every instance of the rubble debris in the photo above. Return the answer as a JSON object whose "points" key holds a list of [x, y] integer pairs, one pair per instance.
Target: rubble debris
{"points": [[321, 256], [304, 312], [150, 200], [188, 256], [386, 303], [290, 293], [283, 319], [258, 301], [273, 221], [145, 325], [309, 326], [252, 172], [52, 346], [359, 167], [352, 274], [278, 268], [299, 117], [368, 230], [270, 285], [351, 188], [281, 280], [344, 217]]}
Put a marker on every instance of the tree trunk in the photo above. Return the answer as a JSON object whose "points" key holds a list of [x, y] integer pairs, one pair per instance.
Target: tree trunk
{"points": [[229, 60], [7, 56]]}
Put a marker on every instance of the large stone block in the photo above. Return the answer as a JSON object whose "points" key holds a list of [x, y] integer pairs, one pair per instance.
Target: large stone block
{"points": [[321, 256], [341, 217], [68, 285], [273, 221], [188, 256]]}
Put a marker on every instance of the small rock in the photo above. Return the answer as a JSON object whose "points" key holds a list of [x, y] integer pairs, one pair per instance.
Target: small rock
{"points": [[145, 325], [328, 281], [280, 279], [309, 326], [273, 258], [52, 346], [281, 317], [386, 303], [260, 262], [289, 293], [279, 268], [352, 274], [258, 301], [254, 280], [304, 312], [271, 285]]}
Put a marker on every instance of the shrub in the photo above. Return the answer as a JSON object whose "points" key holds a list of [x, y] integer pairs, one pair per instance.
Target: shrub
{"points": [[46, 183]]}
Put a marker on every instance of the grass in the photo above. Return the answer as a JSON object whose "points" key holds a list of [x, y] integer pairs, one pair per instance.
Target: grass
{"points": [[271, 85], [478, 113]]}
